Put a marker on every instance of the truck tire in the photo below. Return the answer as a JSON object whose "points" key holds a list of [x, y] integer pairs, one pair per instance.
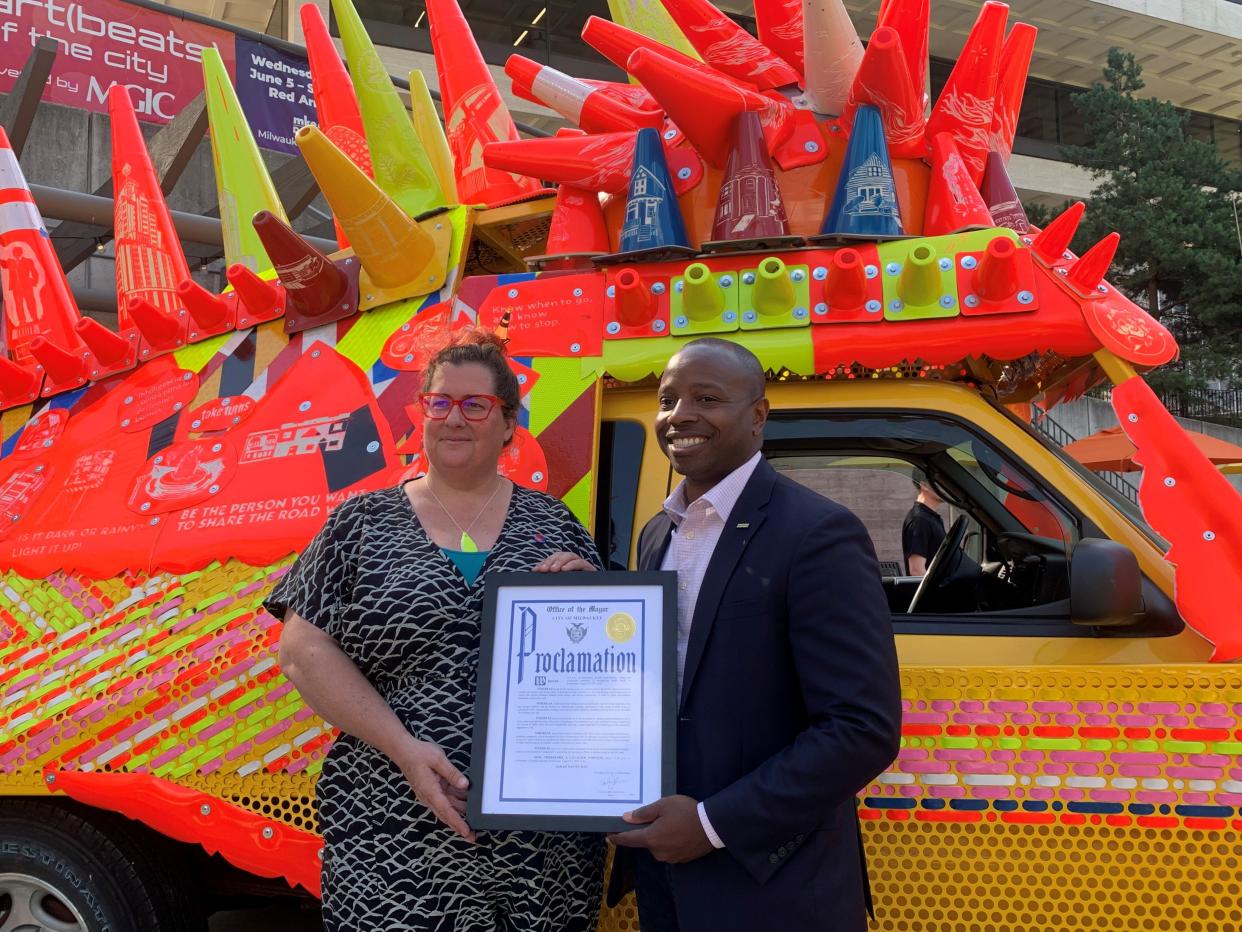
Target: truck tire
{"points": [[60, 872]]}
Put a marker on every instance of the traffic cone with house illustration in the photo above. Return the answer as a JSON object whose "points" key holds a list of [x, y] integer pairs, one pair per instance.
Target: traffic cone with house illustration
{"points": [[474, 112], [653, 223], [336, 106], [242, 183], [401, 166], [1002, 200], [954, 203], [864, 205], [750, 213], [150, 263]]}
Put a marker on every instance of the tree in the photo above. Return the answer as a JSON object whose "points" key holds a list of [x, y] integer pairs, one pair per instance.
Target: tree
{"points": [[1171, 199]]}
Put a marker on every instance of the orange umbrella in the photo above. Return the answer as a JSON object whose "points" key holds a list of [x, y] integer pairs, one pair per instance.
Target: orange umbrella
{"points": [[1112, 450]]}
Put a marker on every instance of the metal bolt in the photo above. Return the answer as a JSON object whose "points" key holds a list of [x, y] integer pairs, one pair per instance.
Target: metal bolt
{"points": [[947, 300], [872, 271], [217, 447], [969, 262], [513, 292], [50, 778], [729, 316], [1102, 289], [1209, 535], [439, 226], [680, 322], [797, 275], [204, 809], [39, 468], [799, 312], [683, 173], [125, 423], [1027, 240], [237, 420], [896, 304], [158, 460], [1025, 297], [575, 347], [196, 423], [521, 380], [819, 273], [971, 300], [1132, 418], [536, 476], [670, 134], [821, 308], [659, 288], [577, 292], [893, 268], [193, 334], [611, 291], [47, 443], [873, 307], [370, 297], [1062, 271], [153, 522], [304, 406], [316, 354], [145, 506], [129, 399], [145, 352], [214, 489], [726, 281], [1170, 481], [178, 406], [187, 376], [405, 328], [373, 446], [409, 357], [658, 326], [945, 264], [268, 831], [613, 327], [750, 317], [679, 287], [811, 145], [748, 278]]}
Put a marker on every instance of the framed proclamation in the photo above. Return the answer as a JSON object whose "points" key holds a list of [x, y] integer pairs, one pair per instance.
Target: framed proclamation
{"points": [[576, 710]]}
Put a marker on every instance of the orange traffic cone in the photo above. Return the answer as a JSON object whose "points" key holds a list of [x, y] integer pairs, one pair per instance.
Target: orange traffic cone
{"points": [[964, 108], [728, 47], [110, 349], [636, 305], [912, 20], [1087, 274], [617, 44], [1015, 61], [316, 290], [260, 300], [475, 114], [846, 288], [703, 106], [1053, 241], [883, 80], [37, 299], [149, 260], [594, 163], [749, 210], [578, 102], [63, 368], [159, 329], [577, 234], [18, 383], [833, 54], [336, 104], [210, 312], [1002, 200], [998, 277], [780, 29], [953, 201]]}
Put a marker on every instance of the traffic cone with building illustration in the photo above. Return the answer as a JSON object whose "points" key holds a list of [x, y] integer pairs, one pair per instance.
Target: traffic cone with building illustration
{"points": [[590, 108], [336, 106], [750, 213], [316, 289], [653, 224], [965, 107], [474, 112], [401, 167], [954, 203], [884, 81], [242, 183], [864, 205], [833, 53], [1004, 205], [728, 47], [150, 264], [37, 299]]}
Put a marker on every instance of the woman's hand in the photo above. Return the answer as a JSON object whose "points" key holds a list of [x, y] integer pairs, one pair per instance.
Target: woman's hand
{"points": [[437, 784], [562, 562]]}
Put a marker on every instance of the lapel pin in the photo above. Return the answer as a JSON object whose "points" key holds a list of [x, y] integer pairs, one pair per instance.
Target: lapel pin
{"points": [[744, 524]]}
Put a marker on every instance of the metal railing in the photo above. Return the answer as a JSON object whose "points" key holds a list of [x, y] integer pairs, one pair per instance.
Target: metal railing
{"points": [[1043, 422], [1219, 405]]}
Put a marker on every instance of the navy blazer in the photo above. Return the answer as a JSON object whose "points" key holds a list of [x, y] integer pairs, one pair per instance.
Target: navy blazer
{"points": [[790, 705]]}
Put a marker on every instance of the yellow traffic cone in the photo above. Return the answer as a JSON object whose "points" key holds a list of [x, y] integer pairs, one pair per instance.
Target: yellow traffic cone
{"points": [[431, 134]]}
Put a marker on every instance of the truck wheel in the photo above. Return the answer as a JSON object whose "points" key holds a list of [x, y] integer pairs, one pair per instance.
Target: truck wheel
{"points": [[60, 873]]}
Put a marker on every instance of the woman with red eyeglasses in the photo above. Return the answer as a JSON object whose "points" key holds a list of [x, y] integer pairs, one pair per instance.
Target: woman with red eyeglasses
{"points": [[382, 617]]}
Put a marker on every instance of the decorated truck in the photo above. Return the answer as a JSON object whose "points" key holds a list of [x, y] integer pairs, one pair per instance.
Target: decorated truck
{"points": [[1072, 751]]}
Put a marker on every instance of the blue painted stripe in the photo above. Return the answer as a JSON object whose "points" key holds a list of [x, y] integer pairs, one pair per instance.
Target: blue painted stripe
{"points": [[932, 803], [1205, 812], [1035, 805], [1141, 808], [968, 805], [1095, 808], [877, 802]]}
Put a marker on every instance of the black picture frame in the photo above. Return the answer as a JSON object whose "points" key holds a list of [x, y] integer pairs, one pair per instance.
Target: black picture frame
{"points": [[587, 581]]}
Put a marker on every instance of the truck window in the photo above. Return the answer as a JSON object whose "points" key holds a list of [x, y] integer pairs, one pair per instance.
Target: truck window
{"points": [[1008, 539], [620, 462]]}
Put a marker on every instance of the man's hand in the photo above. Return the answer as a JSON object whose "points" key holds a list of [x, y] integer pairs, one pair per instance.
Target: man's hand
{"points": [[672, 832]]}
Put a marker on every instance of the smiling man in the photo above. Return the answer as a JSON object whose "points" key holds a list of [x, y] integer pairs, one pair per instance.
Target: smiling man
{"points": [[789, 695]]}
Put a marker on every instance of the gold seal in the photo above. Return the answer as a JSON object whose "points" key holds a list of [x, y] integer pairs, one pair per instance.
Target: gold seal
{"points": [[620, 627]]}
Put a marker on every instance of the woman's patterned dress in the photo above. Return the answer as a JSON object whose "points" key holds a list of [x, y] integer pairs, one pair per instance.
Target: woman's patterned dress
{"points": [[403, 613]]}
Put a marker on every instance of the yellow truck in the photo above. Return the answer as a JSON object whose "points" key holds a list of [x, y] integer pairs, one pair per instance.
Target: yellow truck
{"points": [[1071, 750]]}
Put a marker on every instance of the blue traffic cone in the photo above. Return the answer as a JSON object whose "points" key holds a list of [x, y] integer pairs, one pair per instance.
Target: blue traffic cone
{"points": [[865, 203], [653, 223]]}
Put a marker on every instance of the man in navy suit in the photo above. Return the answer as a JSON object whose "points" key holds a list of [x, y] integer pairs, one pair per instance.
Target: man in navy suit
{"points": [[789, 693]]}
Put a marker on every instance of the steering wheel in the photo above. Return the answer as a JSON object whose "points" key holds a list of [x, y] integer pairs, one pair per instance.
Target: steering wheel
{"points": [[942, 563]]}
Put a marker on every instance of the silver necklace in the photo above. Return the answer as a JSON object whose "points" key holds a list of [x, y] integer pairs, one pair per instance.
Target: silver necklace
{"points": [[467, 542]]}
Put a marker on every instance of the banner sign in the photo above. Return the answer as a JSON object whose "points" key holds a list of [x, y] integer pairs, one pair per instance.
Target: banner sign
{"points": [[274, 88], [157, 55]]}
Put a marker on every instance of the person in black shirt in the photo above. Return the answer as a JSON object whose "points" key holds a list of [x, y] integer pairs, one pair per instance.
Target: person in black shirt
{"points": [[922, 531]]}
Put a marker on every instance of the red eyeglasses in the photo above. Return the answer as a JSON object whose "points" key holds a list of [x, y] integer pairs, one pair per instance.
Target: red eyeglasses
{"points": [[437, 405]]}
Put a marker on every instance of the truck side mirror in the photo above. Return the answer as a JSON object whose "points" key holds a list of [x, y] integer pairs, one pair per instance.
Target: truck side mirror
{"points": [[1106, 586]]}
